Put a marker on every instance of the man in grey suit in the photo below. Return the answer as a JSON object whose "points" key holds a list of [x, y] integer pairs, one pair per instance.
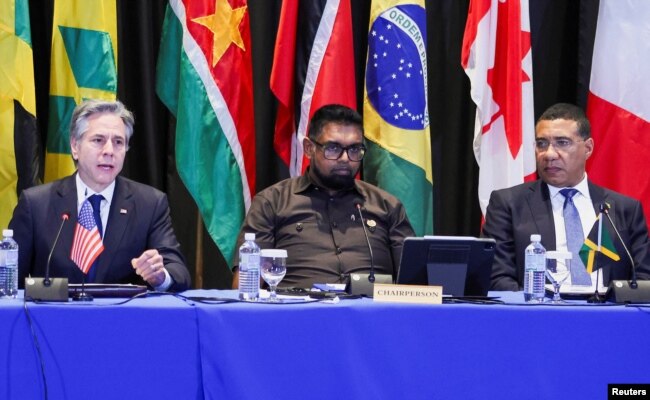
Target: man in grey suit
{"points": [[133, 219], [563, 143]]}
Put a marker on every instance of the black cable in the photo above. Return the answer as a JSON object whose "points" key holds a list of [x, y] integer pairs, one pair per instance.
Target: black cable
{"points": [[470, 300], [38, 349]]}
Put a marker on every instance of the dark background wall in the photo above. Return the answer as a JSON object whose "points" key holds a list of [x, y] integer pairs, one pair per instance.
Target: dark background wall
{"points": [[561, 32]]}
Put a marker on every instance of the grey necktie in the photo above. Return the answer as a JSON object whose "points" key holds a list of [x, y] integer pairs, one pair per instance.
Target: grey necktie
{"points": [[574, 237]]}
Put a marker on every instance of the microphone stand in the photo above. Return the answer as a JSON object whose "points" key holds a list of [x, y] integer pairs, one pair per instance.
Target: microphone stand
{"points": [[596, 297], [48, 289], [624, 291], [371, 275]]}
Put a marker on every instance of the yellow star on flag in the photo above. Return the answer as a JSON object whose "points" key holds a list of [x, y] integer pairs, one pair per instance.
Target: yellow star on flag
{"points": [[224, 25]]}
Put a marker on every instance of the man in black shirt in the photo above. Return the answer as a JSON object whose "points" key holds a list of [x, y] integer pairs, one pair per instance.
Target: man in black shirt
{"points": [[314, 217]]}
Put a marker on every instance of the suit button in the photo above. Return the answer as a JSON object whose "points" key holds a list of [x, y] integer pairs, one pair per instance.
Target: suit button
{"points": [[299, 227], [338, 250]]}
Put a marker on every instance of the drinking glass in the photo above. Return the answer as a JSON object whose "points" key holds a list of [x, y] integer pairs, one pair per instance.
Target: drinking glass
{"points": [[273, 266], [558, 268]]}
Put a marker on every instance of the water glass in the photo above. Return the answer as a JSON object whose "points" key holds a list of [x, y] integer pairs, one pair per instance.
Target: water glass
{"points": [[558, 269], [273, 267]]}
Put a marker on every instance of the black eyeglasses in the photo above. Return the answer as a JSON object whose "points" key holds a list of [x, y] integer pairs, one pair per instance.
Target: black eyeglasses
{"points": [[334, 151]]}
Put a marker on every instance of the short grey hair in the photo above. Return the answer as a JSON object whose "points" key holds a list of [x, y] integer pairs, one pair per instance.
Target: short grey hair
{"points": [[88, 108]]}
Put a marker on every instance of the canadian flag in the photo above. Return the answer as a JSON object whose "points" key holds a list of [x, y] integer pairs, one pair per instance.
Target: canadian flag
{"points": [[618, 104], [497, 58]]}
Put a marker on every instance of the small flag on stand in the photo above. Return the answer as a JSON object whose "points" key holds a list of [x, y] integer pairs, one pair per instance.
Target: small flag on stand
{"points": [[590, 246], [87, 243]]}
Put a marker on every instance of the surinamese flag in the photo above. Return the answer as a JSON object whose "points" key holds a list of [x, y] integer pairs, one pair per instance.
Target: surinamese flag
{"points": [[204, 77], [18, 151], [314, 63], [497, 58], [83, 66], [618, 103], [396, 116]]}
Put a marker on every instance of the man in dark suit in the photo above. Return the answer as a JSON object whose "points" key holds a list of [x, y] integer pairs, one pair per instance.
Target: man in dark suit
{"points": [[139, 242], [563, 144]]}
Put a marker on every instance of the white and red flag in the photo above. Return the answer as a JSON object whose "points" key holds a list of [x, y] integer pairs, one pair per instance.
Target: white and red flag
{"points": [[618, 104], [87, 243], [311, 68], [497, 58]]}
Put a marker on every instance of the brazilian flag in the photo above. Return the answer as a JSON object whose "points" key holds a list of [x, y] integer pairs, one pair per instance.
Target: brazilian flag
{"points": [[590, 246], [395, 110], [83, 66]]}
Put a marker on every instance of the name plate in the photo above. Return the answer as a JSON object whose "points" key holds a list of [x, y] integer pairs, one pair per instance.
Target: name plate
{"points": [[407, 293]]}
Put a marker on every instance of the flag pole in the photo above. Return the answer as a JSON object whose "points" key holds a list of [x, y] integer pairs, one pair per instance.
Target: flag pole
{"points": [[198, 272], [83, 296], [596, 297]]}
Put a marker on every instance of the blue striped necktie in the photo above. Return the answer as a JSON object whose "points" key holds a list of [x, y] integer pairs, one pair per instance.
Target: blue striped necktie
{"points": [[96, 201], [575, 237]]}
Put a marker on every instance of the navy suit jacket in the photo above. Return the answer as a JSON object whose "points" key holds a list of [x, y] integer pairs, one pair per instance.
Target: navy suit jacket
{"points": [[515, 213], [138, 220]]}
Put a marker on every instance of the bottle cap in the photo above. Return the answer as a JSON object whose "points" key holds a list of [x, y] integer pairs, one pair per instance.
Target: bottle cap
{"points": [[8, 232], [249, 236], [535, 237], [273, 253]]}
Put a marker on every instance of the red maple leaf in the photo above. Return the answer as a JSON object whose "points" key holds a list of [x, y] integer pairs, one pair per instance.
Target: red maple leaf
{"points": [[507, 76]]}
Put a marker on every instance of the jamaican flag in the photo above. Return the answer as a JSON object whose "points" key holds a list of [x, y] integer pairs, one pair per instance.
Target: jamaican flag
{"points": [[590, 246]]}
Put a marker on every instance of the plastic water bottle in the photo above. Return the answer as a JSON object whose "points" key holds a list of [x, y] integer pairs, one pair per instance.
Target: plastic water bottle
{"points": [[249, 269], [8, 265], [535, 267]]}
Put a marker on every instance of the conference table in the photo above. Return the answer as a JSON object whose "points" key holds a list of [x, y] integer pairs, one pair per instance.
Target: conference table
{"points": [[200, 345]]}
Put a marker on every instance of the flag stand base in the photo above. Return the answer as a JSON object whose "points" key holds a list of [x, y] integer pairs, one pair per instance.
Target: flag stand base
{"points": [[596, 298], [82, 296]]}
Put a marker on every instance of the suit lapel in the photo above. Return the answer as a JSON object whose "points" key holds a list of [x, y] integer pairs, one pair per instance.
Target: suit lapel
{"points": [[539, 201], [121, 212]]}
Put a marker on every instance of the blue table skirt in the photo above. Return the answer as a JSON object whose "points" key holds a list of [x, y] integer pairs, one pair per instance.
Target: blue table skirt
{"points": [[165, 347]]}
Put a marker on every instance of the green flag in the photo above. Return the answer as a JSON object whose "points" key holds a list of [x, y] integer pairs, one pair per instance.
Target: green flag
{"points": [[83, 66]]}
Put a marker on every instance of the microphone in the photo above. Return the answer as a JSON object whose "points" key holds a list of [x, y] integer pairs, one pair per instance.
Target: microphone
{"points": [[371, 275], [49, 289], [630, 291], [64, 217], [357, 283]]}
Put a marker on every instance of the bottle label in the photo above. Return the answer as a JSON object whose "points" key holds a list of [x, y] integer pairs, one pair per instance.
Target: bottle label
{"points": [[243, 262], [11, 257], [248, 262], [254, 261], [535, 262]]}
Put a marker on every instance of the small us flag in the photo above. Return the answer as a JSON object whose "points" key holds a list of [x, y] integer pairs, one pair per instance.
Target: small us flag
{"points": [[87, 243]]}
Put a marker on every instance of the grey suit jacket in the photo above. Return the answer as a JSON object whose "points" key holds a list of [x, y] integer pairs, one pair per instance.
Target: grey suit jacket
{"points": [[138, 220], [515, 213]]}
